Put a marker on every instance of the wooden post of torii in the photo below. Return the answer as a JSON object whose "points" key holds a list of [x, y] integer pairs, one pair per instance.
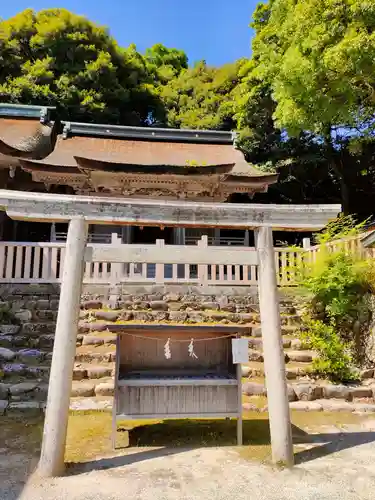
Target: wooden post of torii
{"points": [[79, 211]]}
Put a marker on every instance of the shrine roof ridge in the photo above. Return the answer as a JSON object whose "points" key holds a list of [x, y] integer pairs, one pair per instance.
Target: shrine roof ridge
{"points": [[148, 133]]}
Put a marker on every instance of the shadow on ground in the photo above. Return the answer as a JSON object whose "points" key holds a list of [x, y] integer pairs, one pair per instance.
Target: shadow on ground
{"points": [[20, 444], [176, 436]]}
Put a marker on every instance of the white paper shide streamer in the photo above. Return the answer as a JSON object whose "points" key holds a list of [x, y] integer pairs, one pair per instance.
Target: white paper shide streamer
{"points": [[167, 349], [191, 350]]}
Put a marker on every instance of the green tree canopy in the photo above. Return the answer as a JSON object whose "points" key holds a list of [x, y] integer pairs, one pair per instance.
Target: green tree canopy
{"points": [[319, 58], [202, 97], [56, 57]]}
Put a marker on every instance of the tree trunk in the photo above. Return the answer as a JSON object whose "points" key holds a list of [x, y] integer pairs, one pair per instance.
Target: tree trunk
{"points": [[337, 167]]}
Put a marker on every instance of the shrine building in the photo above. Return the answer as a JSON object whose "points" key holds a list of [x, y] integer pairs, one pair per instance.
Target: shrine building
{"points": [[40, 153]]}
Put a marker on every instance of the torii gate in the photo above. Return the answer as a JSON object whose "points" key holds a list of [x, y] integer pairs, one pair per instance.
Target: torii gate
{"points": [[80, 211]]}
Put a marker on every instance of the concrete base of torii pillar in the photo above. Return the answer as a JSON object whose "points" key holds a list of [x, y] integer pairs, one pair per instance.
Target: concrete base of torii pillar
{"points": [[60, 382], [274, 362]]}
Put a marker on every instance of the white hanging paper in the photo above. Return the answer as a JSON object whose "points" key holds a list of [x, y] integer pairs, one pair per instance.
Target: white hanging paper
{"points": [[240, 351], [167, 349], [191, 350]]}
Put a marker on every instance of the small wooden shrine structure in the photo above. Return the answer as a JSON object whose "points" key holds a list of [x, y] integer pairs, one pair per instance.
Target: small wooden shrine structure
{"points": [[176, 371]]}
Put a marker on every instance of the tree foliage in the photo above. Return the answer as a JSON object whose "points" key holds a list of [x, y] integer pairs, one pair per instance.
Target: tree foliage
{"points": [[58, 58]]}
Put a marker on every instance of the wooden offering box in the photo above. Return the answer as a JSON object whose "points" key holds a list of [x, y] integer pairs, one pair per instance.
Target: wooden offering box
{"points": [[151, 385]]}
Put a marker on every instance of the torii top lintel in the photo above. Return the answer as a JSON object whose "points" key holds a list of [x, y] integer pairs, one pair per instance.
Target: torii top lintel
{"points": [[45, 207]]}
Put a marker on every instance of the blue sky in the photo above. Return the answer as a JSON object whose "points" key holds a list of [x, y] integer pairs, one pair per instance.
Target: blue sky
{"points": [[214, 30]]}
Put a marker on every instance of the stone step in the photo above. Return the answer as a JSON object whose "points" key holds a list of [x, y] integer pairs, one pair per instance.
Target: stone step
{"points": [[315, 390], [38, 328], [294, 370], [90, 388], [19, 372], [95, 353], [90, 371]]}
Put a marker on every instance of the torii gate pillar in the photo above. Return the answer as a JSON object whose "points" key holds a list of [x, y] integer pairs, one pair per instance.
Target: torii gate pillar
{"points": [[274, 362], [51, 461]]}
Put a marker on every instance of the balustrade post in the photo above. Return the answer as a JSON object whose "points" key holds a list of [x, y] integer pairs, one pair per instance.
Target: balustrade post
{"points": [[159, 268]]}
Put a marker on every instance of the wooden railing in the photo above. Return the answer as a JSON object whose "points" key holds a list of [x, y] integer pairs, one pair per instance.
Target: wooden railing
{"points": [[44, 263]]}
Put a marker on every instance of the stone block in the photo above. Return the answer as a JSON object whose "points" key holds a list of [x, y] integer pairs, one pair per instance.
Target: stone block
{"points": [[256, 331], [367, 373], [38, 328], [301, 356], [22, 340], [245, 371], [6, 354], [107, 315], [94, 372], [360, 392], [20, 408], [95, 326], [172, 297], [92, 304], [41, 392], [178, 316], [4, 391], [255, 355], [3, 406], [126, 304], [160, 316], [126, 315], [231, 308], [43, 304], [83, 389], [9, 329], [30, 305], [79, 373], [213, 306], [30, 356], [10, 369], [54, 304], [291, 393], [24, 315], [46, 315], [305, 406], [250, 407], [308, 392], [175, 306], [254, 389], [142, 316], [46, 341], [91, 404], [105, 389], [92, 340], [336, 392], [159, 305]]}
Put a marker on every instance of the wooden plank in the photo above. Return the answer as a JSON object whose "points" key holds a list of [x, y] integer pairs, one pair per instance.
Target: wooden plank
{"points": [[175, 254], [175, 382], [27, 267], [9, 267], [19, 257], [36, 266], [46, 264], [54, 254], [2, 261]]}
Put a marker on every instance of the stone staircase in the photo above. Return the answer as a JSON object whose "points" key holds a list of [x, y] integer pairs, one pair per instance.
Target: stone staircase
{"points": [[25, 356]]}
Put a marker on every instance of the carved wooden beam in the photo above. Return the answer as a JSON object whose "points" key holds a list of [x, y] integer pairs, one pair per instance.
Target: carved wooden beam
{"points": [[47, 207]]}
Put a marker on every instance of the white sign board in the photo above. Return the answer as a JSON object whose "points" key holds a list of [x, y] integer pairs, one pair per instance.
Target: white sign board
{"points": [[240, 351]]}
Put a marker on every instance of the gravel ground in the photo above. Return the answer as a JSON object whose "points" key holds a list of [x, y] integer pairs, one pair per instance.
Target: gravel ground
{"points": [[345, 471]]}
